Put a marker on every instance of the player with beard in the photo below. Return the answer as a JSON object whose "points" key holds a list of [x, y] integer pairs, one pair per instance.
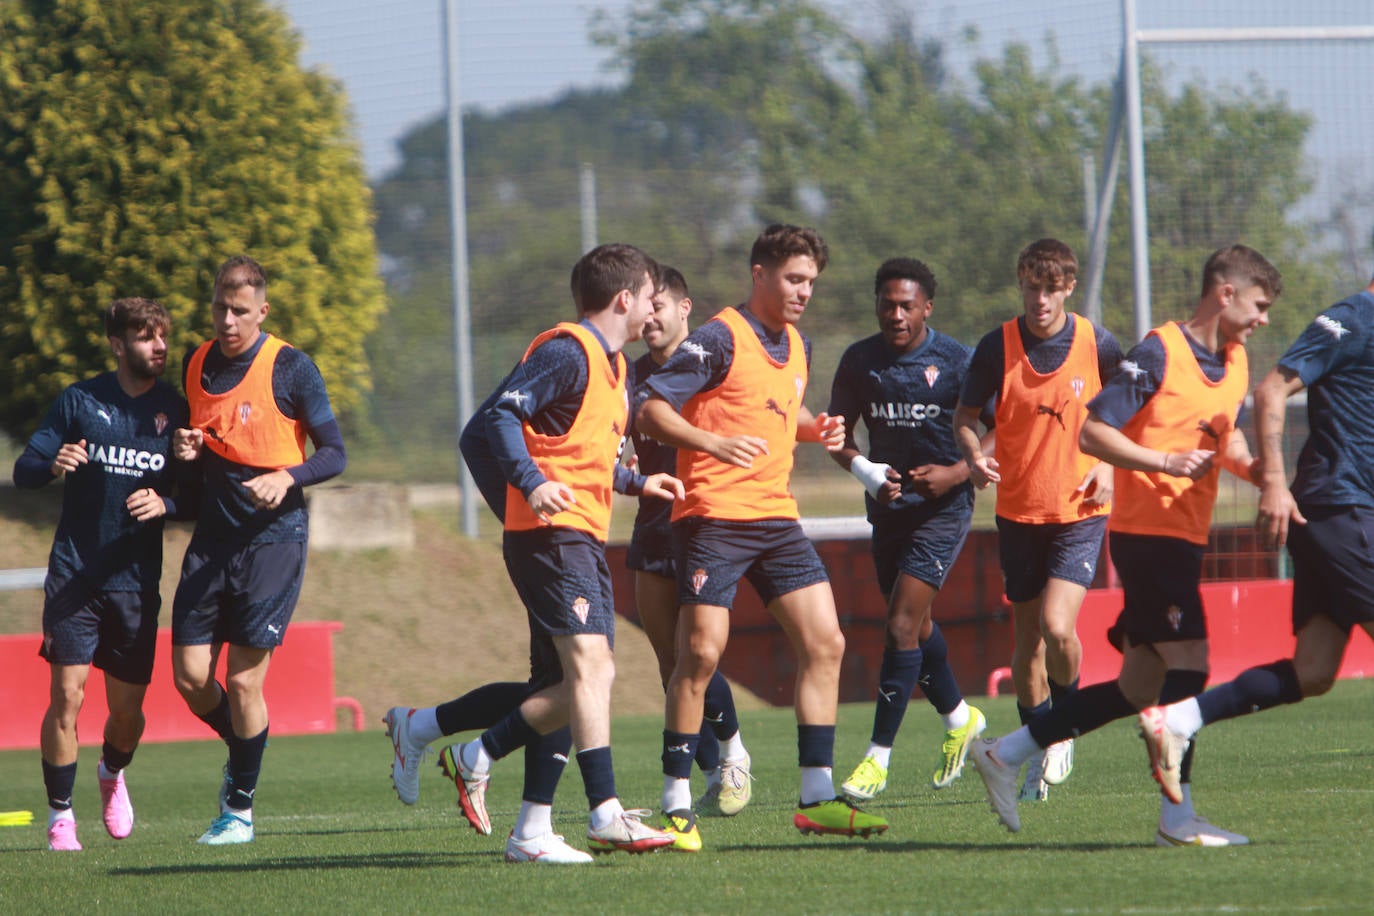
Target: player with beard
{"points": [[110, 439]]}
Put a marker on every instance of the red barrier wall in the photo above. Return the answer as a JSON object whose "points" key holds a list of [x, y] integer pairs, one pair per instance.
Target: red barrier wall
{"points": [[299, 691], [1249, 620]]}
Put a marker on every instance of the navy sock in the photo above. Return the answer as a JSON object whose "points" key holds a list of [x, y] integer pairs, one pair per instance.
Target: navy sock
{"points": [[508, 735], [816, 745], [1181, 684], [1185, 766], [545, 758], [720, 707], [59, 782], [480, 708], [219, 718], [1060, 692], [679, 748], [597, 775], [896, 680], [708, 748], [937, 678], [245, 763], [115, 759], [1027, 714], [1081, 712], [1253, 690]]}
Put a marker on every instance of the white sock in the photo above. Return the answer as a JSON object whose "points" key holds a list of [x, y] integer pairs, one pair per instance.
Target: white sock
{"points": [[55, 815], [712, 777], [608, 811], [817, 785], [534, 820], [475, 757], [677, 793], [1015, 748], [105, 772], [245, 814], [956, 717], [881, 754], [424, 727], [732, 748], [1184, 717]]}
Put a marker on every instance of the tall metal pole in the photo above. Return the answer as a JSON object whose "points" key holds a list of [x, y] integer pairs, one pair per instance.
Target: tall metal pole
{"points": [[1092, 309], [458, 255], [588, 199], [1135, 134], [1106, 192]]}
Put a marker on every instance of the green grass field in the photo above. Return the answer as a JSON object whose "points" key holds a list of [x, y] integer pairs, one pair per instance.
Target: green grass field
{"points": [[333, 837]]}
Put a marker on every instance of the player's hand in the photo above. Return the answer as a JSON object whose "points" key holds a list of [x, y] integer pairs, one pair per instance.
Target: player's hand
{"points": [[1098, 486], [1277, 509], [145, 504], [740, 450], [69, 457], [550, 498], [268, 490], [664, 486], [830, 431], [187, 443], [932, 481], [984, 471], [1193, 465], [890, 490]]}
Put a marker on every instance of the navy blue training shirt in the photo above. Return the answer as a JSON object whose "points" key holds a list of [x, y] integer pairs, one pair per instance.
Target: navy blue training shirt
{"points": [[907, 402], [1334, 357], [129, 447]]}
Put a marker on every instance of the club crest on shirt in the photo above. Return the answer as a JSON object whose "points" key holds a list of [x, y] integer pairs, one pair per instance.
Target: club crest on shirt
{"points": [[800, 384], [1078, 385], [581, 607], [245, 410], [1175, 617], [160, 423], [699, 578], [932, 373]]}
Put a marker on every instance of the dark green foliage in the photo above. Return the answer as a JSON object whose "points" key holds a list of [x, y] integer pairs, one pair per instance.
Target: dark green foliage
{"points": [[737, 113]]}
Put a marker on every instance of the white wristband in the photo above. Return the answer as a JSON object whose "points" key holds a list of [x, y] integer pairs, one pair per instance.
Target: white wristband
{"points": [[871, 475]]}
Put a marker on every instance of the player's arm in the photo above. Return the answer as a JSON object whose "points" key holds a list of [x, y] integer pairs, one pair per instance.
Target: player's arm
{"points": [[982, 466], [657, 418], [822, 428], [47, 455], [982, 383], [299, 388], [546, 391], [1276, 505], [1105, 442]]}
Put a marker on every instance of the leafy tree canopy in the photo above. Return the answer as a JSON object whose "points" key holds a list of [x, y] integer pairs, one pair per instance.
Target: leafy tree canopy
{"points": [[141, 143]]}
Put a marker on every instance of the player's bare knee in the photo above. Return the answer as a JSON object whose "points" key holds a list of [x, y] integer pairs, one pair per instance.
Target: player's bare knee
{"points": [[1315, 681], [903, 633], [65, 702]]}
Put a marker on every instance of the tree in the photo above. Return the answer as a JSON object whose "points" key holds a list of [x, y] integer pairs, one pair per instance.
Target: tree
{"points": [[141, 143]]}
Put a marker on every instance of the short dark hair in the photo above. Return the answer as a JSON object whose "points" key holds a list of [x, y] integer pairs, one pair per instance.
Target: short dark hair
{"points": [[135, 314], [905, 269], [673, 281], [607, 269], [239, 271], [780, 241], [1243, 265], [1047, 263]]}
